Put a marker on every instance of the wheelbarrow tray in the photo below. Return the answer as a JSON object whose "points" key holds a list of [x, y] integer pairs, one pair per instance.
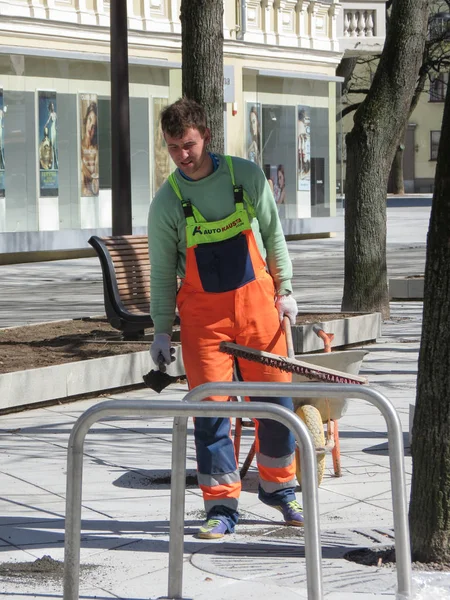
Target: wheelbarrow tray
{"points": [[347, 361]]}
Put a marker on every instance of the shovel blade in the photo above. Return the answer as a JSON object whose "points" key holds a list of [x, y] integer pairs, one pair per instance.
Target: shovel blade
{"points": [[157, 380]]}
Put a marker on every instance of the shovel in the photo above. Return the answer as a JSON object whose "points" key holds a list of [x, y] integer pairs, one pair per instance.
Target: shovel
{"points": [[158, 380]]}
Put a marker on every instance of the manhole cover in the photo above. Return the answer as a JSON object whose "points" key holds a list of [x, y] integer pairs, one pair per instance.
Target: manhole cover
{"points": [[268, 553]]}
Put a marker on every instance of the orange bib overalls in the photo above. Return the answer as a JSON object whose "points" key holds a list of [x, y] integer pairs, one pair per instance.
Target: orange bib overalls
{"points": [[228, 295]]}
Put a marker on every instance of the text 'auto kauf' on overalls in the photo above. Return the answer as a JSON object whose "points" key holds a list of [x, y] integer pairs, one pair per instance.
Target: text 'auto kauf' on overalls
{"points": [[228, 295]]}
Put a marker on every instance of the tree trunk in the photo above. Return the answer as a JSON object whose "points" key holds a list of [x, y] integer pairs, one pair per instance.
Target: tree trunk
{"points": [[345, 69], [378, 125], [397, 175], [398, 180], [429, 512], [202, 69]]}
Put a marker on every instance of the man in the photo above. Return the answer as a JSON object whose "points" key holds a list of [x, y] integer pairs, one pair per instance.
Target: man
{"points": [[214, 224]]}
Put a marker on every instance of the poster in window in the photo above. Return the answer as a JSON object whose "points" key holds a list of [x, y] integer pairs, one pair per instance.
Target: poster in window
{"points": [[2, 147], [161, 162], [48, 143], [254, 132], [89, 170], [303, 148]]}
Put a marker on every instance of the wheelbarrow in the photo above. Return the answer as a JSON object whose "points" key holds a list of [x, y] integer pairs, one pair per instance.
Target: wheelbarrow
{"points": [[316, 412], [319, 411]]}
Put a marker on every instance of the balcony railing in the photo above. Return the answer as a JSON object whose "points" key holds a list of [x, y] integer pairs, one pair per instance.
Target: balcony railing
{"points": [[310, 24], [359, 23], [362, 26]]}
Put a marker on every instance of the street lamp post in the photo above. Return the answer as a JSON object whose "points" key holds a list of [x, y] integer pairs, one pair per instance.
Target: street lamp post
{"points": [[120, 121]]}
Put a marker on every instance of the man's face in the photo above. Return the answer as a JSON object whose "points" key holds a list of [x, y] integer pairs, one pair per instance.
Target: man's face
{"points": [[189, 152]]}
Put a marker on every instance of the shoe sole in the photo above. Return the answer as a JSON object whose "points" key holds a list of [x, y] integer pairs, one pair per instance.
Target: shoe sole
{"points": [[292, 523], [210, 536]]}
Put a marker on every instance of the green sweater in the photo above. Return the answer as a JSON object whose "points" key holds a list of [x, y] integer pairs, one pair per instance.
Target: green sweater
{"points": [[213, 196]]}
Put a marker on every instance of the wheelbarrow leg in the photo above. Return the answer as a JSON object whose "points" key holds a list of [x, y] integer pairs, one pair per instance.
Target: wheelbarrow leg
{"points": [[248, 460], [237, 438], [336, 452]]}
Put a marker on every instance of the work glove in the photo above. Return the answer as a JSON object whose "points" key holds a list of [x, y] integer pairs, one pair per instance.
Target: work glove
{"points": [[161, 351], [286, 306]]}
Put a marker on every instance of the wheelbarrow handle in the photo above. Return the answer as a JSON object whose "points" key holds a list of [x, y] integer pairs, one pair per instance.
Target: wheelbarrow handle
{"points": [[289, 341]]}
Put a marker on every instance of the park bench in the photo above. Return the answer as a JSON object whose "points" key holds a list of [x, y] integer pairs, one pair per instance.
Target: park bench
{"points": [[126, 282]]}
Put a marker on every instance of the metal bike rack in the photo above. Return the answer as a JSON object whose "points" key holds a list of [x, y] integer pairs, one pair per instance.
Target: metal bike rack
{"points": [[191, 407]]}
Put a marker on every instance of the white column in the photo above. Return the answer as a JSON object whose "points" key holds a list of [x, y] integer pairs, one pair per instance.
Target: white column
{"points": [[134, 21], [302, 23], [266, 25], [86, 16], [36, 9], [278, 7], [312, 10], [332, 16], [101, 14], [175, 16]]}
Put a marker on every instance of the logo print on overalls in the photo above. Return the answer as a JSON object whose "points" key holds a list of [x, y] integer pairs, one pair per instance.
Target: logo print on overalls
{"points": [[197, 229]]}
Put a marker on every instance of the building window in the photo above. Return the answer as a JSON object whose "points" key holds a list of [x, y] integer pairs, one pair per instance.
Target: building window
{"points": [[435, 136], [438, 87], [439, 26]]}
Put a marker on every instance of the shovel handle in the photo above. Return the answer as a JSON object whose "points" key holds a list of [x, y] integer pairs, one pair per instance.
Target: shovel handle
{"points": [[289, 340], [162, 364]]}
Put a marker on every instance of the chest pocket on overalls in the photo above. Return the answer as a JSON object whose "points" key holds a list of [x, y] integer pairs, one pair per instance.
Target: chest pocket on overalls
{"points": [[224, 266]]}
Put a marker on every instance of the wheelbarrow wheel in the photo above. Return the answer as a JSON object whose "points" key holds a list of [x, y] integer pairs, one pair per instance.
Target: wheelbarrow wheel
{"points": [[313, 421]]}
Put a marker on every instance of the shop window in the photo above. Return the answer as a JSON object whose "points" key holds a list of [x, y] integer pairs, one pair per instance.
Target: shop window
{"points": [[438, 87], [104, 143], [161, 163], [435, 136], [277, 152]]}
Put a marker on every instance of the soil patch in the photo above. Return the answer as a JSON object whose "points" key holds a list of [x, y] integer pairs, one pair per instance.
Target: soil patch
{"points": [[42, 569], [58, 342], [55, 343], [385, 557]]}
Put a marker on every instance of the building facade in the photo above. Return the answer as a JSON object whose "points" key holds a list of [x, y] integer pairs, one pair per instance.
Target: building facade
{"points": [[281, 98]]}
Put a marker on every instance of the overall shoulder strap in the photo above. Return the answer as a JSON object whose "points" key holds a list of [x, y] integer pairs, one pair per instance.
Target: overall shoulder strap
{"points": [[192, 215], [239, 191]]}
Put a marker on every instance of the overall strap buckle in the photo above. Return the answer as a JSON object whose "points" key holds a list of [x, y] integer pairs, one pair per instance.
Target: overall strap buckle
{"points": [[238, 192], [187, 209]]}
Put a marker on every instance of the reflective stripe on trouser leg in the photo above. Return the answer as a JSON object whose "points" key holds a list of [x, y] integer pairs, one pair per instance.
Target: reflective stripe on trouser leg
{"points": [[275, 451], [218, 475]]}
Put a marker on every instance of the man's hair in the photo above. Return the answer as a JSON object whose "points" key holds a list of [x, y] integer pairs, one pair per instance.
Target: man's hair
{"points": [[181, 115]]}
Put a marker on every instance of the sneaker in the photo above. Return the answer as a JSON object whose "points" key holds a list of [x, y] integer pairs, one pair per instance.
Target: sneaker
{"points": [[212, 529], [292, 513]]}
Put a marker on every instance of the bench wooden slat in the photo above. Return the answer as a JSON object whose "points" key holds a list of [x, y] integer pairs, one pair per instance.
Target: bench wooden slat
{"points": [[129, 288], [134, 282], [125, 239], [136, 275], [121, 243], [131, 263], [134, 267], [133, 297], [129, 254], [130, 258]]}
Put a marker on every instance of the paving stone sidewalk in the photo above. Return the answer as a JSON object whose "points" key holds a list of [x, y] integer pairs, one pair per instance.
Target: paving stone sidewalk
{"points": [[125, 529]]}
